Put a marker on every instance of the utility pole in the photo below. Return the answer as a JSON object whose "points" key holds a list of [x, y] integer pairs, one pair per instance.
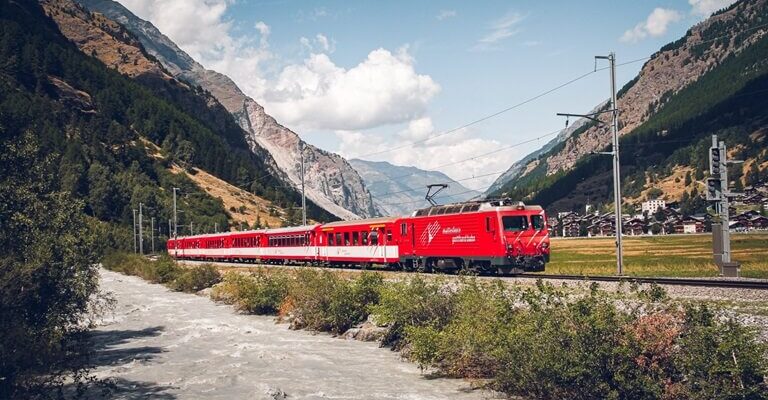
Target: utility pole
{"points": [[614, 110], [134, 231], [717, 191], [141, 236], [303, 196], [175, 219], [191, 229], [152, 235], [215, 227]]}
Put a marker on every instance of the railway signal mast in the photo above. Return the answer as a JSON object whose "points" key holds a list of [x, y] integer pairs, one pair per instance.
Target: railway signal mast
{"points": [[614, 110], [717, 192]]}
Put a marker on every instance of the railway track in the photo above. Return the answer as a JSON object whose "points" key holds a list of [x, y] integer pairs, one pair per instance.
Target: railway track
{"points": [[718, 283], [700, 282]]}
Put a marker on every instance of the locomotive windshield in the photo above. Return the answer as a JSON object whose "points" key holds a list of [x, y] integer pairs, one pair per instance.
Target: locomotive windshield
{"points": [[515, 223], [538, 222]]}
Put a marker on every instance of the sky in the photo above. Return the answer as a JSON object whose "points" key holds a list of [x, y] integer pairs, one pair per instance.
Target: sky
{"points": [[408, 81]]}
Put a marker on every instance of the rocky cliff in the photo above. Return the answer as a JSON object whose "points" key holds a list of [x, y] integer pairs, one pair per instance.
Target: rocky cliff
{"points": [[330, 180], [399, 190]]}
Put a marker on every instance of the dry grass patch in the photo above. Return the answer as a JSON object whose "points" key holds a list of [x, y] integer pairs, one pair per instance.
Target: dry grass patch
{"points": [[247, 206]]}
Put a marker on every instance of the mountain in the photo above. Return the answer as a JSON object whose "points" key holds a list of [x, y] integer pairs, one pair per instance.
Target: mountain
{"points": [[116, 135], [524, 165], [330, 180], [399, 190], [685, 92]]}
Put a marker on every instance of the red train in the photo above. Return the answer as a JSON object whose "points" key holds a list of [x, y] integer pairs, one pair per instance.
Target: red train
{"points": [[491, 236]]}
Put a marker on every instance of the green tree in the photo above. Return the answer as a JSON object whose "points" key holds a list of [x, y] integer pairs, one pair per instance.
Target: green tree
{"points": [[48, 276], [102, 194]]}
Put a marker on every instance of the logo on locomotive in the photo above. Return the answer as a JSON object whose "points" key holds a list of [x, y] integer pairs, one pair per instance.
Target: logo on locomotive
{"points": [[429, 233]]}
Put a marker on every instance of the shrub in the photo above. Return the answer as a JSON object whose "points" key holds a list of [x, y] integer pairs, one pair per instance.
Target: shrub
{"points": [[415, 302], [197, 278], [720, 359], [467, 345], [322, 301], [164, 271], [258, 293]]}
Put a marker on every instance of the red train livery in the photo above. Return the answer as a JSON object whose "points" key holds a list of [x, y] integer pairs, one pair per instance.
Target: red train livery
{"points": [[491, 236]]}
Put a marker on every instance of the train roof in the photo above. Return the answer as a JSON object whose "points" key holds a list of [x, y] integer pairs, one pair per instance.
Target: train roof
{"points": [[474, 206], [290, 229], [357, 222]]}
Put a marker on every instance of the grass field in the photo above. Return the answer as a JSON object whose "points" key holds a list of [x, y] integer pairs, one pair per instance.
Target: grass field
{"points": [[678, 255]]}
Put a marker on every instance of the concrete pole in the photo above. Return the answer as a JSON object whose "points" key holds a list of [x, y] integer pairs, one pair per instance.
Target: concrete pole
{"points": [[152, 235], [175, 219], [616, 168], [134, 231], [303, 195], [141, 235]]}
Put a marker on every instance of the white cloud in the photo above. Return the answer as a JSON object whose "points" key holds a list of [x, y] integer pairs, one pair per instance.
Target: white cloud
{"points": [[264, 31], [445, 14], [418, 129], [707, 7], [435, 154], [319, 44], [314, 93], [500, 29], [531, 43], [200, 28], [383, 89], [655, 25]]}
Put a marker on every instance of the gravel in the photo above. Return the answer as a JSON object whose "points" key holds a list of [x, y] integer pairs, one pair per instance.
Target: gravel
{"points": [[162, 344]]}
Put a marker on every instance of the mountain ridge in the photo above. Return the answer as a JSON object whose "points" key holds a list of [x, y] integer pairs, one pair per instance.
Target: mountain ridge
{"points": [[398, 190], [330, 181], [669, 73]]}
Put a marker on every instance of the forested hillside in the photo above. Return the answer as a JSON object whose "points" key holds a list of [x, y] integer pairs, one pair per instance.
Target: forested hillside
{"points": [[730, 100], [91, 121]]}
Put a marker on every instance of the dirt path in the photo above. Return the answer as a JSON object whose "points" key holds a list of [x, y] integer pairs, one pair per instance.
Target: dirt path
{"points": [[162, 344]]}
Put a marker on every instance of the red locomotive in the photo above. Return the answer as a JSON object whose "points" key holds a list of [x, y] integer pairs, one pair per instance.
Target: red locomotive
{"points": [[491, 236]]}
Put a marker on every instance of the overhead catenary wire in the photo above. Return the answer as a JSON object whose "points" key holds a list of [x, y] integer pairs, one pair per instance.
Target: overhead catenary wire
{"points": [[687, 44]]}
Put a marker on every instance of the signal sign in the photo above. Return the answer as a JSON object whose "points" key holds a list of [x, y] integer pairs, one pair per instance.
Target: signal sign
{"points": [[714, 162], [714, 189]]}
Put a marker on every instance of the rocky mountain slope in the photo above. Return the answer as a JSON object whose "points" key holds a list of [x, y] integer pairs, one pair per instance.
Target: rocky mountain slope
{"points": [[652, 101], [399, 190], [524, 165], [330, 181]]}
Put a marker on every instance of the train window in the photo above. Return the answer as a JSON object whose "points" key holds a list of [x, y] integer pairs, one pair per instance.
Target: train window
{"points": [[330, 239], [364, 238], [338, 239], [374, 238], [403, 229], [389, 235], [346, 239], [537, 221], [515, 223], [355, 238], [488, 224]]}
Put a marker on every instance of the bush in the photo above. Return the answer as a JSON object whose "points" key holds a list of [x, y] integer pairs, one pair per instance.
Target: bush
{"points": [[320, 300], [163, 271], [720, 359], [466, 347], [416, 302], [197, 278], [258, 293]]}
